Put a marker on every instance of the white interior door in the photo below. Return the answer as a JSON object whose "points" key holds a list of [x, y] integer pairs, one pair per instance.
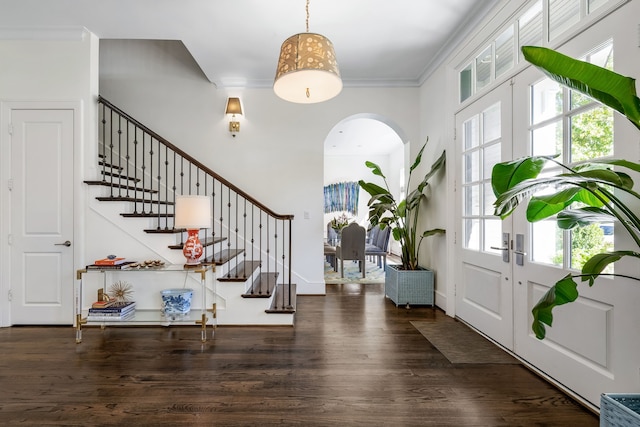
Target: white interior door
{"points": [[483, 283], [42, 216]]}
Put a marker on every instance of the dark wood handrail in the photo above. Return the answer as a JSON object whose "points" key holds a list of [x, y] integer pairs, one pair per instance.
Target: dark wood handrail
{"points": [[194, 161]]}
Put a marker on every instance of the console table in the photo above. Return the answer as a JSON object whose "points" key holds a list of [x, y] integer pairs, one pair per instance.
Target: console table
{"points": [[150, 316]]}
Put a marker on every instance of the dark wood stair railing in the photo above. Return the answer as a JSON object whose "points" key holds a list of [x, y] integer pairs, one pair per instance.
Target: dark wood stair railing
{"points": [[141, 167]]}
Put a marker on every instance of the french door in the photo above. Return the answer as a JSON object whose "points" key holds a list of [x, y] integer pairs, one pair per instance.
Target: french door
{"points": [[484, 292], [579, 350], [503, 268]]}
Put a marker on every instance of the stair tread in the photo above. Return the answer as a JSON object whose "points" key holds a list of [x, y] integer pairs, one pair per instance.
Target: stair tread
{"points": [[241, 272], [147, 215], [223, 256], [109, 165], [164, 230], [123, 186], [281, 303], [207, 241], [262, 286], [132, 199], [120, 176]]}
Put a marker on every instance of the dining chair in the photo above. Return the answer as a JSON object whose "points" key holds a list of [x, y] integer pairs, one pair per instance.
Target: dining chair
{"points": [[351, 247]]}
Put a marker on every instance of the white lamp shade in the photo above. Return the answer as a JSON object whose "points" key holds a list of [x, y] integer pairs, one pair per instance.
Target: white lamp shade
{"points": [[307, 70], [192, 212]]}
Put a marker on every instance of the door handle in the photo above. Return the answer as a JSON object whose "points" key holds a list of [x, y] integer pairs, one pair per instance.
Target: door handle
{"points": [[519, 251], [504, 248], [67, 244]]}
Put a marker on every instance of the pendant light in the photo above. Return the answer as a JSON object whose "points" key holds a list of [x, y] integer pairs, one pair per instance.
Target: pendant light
{"points": [[307, 69]]}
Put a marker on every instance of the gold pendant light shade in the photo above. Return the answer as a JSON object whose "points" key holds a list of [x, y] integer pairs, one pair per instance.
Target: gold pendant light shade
{"points": [[307, 70]]}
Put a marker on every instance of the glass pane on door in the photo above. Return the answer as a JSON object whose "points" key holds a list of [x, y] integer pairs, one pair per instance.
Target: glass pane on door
{"points": [[481, 151], [579, 129]]}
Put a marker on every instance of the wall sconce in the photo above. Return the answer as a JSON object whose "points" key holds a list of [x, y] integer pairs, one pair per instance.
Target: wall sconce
{"points": [[192, 213], [233, 108]]}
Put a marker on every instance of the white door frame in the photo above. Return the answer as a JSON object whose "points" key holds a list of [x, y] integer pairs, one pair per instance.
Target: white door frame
{"points": [[5, 195]]}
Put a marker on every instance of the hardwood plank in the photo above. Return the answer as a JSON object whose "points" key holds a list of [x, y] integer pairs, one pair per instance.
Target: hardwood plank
{"points": [[352, 358]]}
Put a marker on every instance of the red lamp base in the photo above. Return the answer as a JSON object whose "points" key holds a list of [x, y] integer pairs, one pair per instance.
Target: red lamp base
{"points": [[192, 249]]}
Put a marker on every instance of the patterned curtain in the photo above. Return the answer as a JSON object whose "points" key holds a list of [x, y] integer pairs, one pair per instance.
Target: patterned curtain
{"points": [[342, 196]]}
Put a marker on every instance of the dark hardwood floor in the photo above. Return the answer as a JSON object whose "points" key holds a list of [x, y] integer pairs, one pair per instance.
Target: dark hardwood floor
{"points": [[352, 358]]}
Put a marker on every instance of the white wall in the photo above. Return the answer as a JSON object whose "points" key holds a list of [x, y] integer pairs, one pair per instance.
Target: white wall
{"points": [[436, 212], [36, 69], [278, 154]]}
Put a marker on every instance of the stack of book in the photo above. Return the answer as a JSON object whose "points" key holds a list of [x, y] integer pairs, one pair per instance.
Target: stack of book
{"points": [[112, 312], [110, 264]]}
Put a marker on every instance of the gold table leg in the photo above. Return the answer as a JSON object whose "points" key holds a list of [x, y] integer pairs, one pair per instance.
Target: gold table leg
{"points": [[79, 322]]}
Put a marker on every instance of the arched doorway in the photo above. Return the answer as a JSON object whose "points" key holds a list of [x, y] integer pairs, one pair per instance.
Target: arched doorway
{"points": [[352, 142]]}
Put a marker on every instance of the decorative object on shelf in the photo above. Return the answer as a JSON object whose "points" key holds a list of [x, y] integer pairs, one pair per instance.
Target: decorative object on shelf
{"points": [[120, 291], [150, 263], [192, 213], [307, 68], [176, 301], [342, 197], [110, 260], [233, 108], [340, 222], [115, 311], [121, 266]]}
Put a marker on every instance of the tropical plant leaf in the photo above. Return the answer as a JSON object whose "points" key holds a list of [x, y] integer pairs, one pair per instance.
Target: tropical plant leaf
{"points": [[618, 179], [619, 162], [564, 291], [375, 169], [542, 207], [507, 174], [509, 200], [437, 164], [571, 218], [401, 216], [597, 263], [418, 158], [433, 232], [401, 210], [610, 88], [371, 188]]}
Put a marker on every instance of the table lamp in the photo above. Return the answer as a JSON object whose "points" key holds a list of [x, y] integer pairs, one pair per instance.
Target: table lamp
{"points": [[192, 213]]}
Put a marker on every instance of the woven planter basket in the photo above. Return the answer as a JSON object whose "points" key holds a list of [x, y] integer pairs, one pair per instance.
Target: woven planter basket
{"points": [[619, 410], [409, 287]]}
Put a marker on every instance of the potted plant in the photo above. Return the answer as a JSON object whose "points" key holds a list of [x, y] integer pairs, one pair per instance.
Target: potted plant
{"points": [[407, 283], [339, 222], [581, 194]]}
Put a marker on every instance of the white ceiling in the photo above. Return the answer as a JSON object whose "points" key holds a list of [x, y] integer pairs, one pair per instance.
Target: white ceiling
{"points": [[237, 42]]}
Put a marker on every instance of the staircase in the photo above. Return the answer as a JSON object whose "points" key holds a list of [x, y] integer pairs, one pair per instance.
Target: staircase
{"points": [[142, 173]]}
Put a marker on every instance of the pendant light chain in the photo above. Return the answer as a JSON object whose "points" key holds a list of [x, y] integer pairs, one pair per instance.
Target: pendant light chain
{"points": [[307, 9]]}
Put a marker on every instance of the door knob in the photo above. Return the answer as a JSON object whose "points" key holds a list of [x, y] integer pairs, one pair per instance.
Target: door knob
{"points": [[504, 248], [67, 244]]}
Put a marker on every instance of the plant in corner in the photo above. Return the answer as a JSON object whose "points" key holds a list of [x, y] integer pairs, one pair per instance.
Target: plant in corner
{"points": [[402, 217], [581, 194]]}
